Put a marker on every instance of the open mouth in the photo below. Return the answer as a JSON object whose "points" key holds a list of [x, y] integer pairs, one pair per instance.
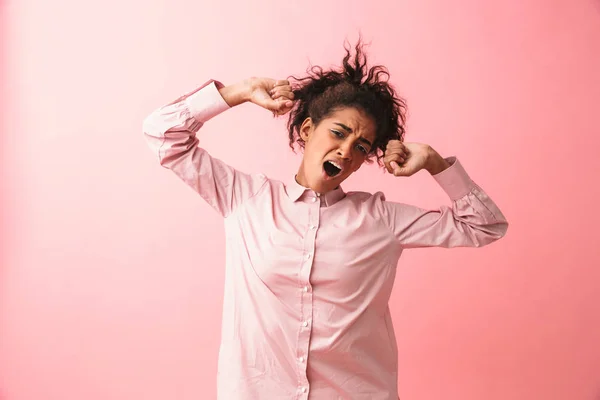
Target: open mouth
{"points": [[331, 168]]}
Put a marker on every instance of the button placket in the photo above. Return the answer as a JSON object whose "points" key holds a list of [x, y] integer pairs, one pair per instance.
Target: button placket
{"points": [[306, 296]]}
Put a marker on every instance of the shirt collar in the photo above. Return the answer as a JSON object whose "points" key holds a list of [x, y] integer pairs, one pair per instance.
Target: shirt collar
{"points": [[296, 192]]}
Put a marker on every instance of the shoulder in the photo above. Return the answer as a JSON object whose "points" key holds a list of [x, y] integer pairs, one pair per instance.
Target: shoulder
{"points": [[267, 184], [366, 197], [374, 203]]}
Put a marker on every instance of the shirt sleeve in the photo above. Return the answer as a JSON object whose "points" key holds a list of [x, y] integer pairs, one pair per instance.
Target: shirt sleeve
{"points": [[473, 219], [171, 131]]}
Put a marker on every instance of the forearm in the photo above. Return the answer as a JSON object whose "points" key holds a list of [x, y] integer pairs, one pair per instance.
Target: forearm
{"points": [[237, 93], [473, 220]]}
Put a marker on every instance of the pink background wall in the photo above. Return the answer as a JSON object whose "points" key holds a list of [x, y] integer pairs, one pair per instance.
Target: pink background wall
{"points": [[91, 306]]}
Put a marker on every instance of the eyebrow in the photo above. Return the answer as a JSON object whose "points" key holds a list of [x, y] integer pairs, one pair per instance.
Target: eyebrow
{"points": [[349, 130]]}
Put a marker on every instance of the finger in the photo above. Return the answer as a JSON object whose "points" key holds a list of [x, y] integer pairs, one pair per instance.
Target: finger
{"points": [[281, 82], [396, 169], [393, 144], [273, 105], [397, 145], [387, 159], [396, 150], [282, 93], [398, 157], [388, 167], [282, 107], [393, 158], [284, 103], [284, 88], [397, 153]]}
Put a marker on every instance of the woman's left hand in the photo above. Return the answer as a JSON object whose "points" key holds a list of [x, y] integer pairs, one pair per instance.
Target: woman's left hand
{"points": [[406, 159]]}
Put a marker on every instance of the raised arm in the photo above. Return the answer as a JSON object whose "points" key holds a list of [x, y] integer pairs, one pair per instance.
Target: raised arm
{"points": [[473, 219], [171, 134]]}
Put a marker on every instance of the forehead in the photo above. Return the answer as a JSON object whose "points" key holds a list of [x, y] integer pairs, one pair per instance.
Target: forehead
{"points": [[355, 119]]}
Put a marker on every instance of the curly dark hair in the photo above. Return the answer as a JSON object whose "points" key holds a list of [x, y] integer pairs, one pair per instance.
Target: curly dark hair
{"points": [[355, 85]]}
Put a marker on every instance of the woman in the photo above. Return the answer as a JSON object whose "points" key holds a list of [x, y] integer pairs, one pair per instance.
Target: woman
{"points": [[310, 268]]}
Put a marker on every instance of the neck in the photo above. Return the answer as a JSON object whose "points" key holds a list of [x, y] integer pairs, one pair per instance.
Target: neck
{"points": [[301, 182], [301, 177]]}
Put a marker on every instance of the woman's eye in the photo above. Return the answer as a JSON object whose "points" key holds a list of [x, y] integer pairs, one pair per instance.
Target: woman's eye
{"points": [[337, 133], [362, 149]]}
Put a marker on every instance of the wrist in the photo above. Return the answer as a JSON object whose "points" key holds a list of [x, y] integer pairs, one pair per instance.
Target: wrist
{"points": [[237, 93], [435, 162]]}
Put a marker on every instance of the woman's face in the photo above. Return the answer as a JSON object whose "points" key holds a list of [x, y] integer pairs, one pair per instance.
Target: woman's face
{"points": [[334, 148]]}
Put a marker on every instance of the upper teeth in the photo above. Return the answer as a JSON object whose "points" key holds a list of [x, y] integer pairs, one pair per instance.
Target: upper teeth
{"points": [[336, 164]]}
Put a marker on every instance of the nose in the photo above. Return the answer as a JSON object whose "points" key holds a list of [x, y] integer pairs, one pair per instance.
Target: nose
{"points": [[345, 150]]}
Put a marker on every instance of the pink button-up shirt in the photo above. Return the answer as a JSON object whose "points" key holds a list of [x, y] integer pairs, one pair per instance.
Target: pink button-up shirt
{"points": [[308, 277]]}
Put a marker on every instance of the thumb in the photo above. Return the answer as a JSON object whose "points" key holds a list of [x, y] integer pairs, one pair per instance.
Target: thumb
{"points": [[268, 103], [397, 170], [280, 105], [273, 105]]}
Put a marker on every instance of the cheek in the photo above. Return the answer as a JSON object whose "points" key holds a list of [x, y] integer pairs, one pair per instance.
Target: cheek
{"points": [[354, 168], [312, 153], [317, 144], [361, 160]]}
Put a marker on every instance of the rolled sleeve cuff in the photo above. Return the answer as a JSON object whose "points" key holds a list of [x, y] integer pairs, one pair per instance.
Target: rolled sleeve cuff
{"points": [[454, 180], [206, 102]]}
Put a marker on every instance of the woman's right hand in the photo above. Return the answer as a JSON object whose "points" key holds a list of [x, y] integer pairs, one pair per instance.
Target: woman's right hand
{"points": [[274, 95]]}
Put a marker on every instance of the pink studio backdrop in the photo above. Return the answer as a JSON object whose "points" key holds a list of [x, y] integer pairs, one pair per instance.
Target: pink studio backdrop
{"points": [[112, 269]]}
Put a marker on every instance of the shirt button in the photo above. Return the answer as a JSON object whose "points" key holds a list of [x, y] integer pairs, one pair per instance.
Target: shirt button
{"points": [[313, 227], [305, 288], [305, 323], [301, 359], [313, 199], [303, 390], [308, 256]]}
